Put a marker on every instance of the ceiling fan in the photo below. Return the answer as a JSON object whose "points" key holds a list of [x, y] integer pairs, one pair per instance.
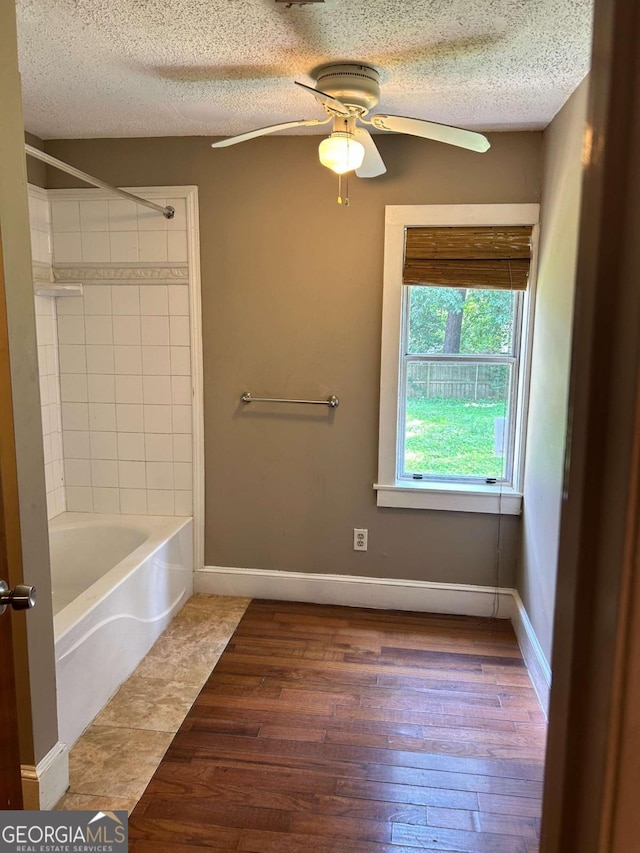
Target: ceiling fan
{"points": [[348, 92]]}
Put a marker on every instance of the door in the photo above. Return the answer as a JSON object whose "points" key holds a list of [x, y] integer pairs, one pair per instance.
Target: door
{"points": [[10, 783], [10, 780], [592, 780]]}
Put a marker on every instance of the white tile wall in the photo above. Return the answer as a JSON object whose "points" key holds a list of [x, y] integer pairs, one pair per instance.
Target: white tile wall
{"points": [[45, 308], [40, 222], [121, 232], [126, 407], [123, 361], [65, 216], [48, 363]]}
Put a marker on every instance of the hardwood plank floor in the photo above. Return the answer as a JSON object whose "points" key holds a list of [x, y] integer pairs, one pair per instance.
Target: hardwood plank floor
{"points": [[342, 730]]}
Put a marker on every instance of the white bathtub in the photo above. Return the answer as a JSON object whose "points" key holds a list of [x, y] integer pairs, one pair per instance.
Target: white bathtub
{"points": [[117, 582]]}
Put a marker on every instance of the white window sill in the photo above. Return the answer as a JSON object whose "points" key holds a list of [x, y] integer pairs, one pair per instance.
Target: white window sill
{"points": [[451, 497]]}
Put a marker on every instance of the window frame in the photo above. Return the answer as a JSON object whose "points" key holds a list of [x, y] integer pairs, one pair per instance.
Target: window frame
{"points": [[452, 495]]}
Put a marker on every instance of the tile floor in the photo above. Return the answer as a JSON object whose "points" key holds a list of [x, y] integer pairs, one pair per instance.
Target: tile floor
{"points": [[114, 760]]}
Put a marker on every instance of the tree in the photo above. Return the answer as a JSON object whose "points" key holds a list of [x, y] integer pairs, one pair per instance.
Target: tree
{"points": [[450, 320], [453, 325]]}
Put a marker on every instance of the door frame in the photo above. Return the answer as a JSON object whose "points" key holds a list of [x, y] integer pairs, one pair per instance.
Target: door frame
{"points": [[593, 760]]}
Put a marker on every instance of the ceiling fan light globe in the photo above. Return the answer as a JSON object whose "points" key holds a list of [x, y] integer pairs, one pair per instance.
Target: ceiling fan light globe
{"points": [[341, 153]]}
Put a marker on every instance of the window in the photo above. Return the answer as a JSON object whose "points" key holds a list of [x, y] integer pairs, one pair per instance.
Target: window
{"points": [[456, 328], [459, 376]]}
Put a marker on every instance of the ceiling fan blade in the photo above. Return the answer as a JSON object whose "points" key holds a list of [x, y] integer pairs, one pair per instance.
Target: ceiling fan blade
{"points": [[372, 165], [326, 100], [263, 131], [432, 130]]}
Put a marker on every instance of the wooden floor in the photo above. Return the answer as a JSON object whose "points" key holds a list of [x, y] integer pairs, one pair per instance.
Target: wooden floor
{"points": [[354, 731]]}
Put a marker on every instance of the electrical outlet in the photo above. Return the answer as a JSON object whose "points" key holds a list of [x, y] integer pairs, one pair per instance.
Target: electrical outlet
{"points": [[360, 537]]}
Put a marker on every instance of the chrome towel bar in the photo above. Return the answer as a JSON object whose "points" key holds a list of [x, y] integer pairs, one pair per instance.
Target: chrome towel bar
{"points": [[333, 401]]}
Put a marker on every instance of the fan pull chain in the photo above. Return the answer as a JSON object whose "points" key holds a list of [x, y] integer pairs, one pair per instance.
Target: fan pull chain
{"points": [[343, 199]]}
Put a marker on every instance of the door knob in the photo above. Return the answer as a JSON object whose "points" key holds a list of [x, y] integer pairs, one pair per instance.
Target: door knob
{"points": [[22, 597]]}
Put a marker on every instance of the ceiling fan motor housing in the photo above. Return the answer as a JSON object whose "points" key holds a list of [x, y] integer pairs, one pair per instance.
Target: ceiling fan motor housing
{"points": [[354, 85]]}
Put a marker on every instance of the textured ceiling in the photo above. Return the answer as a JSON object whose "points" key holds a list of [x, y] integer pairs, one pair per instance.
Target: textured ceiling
{"points": [[107, 68]]}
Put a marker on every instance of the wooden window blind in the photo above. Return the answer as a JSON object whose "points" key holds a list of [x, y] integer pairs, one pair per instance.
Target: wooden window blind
{"points": [[488, 257]]}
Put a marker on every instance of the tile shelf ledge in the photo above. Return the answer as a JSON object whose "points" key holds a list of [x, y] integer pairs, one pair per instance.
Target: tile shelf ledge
{"points": [[57, 288]]}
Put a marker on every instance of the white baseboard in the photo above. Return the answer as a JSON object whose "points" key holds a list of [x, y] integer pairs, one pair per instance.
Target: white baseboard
{"points": [[388, 594], [353, 591], [44, 784], [534, 658]]}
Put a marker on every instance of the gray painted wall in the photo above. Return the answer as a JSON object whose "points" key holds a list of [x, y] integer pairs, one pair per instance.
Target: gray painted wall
{"points": [[292, 296], [561, 188], [36, 169], [35, 658]]}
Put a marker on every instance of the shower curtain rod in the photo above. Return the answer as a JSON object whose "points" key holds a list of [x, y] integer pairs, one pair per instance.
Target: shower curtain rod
{"points": [[167, 212]]}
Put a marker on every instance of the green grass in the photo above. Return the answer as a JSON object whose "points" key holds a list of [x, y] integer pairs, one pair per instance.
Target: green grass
{"points": [[452, 437]]}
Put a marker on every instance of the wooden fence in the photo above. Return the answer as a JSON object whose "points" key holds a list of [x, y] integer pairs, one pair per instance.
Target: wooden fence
{"points": [[428, 380]]}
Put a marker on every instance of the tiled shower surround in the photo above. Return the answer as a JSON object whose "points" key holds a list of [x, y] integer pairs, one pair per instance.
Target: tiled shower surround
{"points": [[125, 381], [122, 351], [48, 366]]}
